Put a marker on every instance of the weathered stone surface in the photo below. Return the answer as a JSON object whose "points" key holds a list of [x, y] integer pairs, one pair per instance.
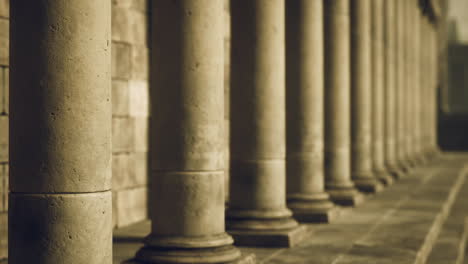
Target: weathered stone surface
{"points": [[140, 62], [4, 90], [122, 134], [121, 60], [120, 171], [4, 41], [132, 206], [120, 98], [187, 136], [4, 135], [141, 130], [128, 26], [337, 98], [72, 228], [4, 170], [4, 8], [3, 235], [139, 98], [138, 173]]}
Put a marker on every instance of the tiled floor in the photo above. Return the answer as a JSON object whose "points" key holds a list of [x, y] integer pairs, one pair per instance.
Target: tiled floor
{"points": [[396, 226]]}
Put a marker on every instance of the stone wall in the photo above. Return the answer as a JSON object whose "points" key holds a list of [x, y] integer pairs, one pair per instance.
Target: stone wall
{"points": [[130, 110], [4, 111]]}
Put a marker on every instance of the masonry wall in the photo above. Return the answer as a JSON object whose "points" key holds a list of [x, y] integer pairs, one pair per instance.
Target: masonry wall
{"points": [[130, 110], [4, 62]]}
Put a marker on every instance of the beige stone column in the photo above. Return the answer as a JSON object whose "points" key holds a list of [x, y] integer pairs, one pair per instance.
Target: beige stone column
{"points": [[304, 112], [379, 87], [337, 104], [434, 87], [257, 213], [418, 95], [401, 85], [410, 89], [361, 97], [187, 159], [60, 204], [391, 88], [425, 113]]}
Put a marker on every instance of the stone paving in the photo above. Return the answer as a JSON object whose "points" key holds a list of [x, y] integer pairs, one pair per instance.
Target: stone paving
{"points": [[399, 225]]}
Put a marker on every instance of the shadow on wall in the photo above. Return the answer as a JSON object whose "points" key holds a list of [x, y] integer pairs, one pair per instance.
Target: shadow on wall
{"points": [[453, 114]]}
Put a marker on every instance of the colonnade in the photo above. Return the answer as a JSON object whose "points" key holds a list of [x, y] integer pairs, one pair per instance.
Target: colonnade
{"points": [[329, 99]]}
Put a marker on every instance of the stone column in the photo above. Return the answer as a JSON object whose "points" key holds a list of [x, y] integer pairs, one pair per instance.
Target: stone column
{"points": [[337, 104], [391, 88], [409, 77], [416, 84], [361, 98], [60, 132], [304, 112], [434, 86], [425, 115], [401, 85], [257, 214], [187, 162], [379, 87]]}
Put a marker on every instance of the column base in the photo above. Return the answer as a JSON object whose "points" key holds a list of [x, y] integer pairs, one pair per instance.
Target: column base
{"points": [[346, 196], [318, 210], [270, 238], [368, 185], [264, 228], [396, 172], [384, 176], [184, 250], [218, 255]]}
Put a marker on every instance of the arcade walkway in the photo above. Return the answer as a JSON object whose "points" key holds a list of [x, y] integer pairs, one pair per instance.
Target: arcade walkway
{"points": [[423, 216]]}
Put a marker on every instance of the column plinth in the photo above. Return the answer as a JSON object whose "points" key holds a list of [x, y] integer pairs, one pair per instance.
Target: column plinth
{"points": [[187, 131], [257, 213], [306, 194], [60, 203], [337, 104]]}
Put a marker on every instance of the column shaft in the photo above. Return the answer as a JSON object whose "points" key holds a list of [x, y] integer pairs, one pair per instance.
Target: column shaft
{"points": [[257, 208], [391, 88], [337, 103], [418, 100], [60, 132], [187, 161], [401, 85], [361, 97], [304, 112], [379, 85]]}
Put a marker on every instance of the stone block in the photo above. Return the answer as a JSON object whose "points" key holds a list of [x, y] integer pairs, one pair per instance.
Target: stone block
{"points": [[4, 8], [3, 187], [120, 98], [3, 235], [141, 143], [121, 61], [138, 172], [122, 134], [270, 238], [138, 5], [4, 138], [114, 209], [131, 206], [129, 26], [4, 41], [4, 90], [139, 98], [120, 171], [140, 62]]}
